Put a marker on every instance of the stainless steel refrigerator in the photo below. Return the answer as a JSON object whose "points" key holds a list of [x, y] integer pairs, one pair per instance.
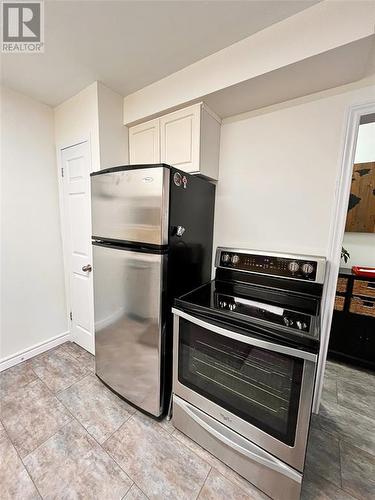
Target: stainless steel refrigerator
{"points": [[152, 241]]}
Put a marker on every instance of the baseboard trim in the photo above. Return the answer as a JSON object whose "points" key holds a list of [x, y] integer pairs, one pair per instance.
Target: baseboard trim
{"points": [[20, 356]]}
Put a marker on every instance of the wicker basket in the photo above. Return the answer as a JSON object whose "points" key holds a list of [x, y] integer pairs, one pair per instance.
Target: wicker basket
{"points": [[339, 303], [362, 306], [365, 288], [342, 285]]}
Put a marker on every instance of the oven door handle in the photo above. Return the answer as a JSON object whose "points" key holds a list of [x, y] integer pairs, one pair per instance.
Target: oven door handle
{"points": [[255, 455], [264, 344]]}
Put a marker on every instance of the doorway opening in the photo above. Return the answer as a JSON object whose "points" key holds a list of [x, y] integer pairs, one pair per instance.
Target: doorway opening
{"points": [[346, 420], [351, 347]]}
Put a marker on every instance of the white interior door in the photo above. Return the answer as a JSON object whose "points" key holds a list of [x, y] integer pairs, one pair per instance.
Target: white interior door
{"points": [[75, 163]]}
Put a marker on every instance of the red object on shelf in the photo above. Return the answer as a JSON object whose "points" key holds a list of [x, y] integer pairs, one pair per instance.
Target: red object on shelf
{"points": [[368, 272]]}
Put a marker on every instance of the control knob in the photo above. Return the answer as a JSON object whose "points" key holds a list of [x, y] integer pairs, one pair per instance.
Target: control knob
{"points": [[225, 257], [301, 325], [307, 268], [287, 321], [235, 259], [232, 306], [293, 266]]}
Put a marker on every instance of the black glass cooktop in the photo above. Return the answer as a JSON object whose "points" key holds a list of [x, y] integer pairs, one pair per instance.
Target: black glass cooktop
{"points": [[292, 313]]}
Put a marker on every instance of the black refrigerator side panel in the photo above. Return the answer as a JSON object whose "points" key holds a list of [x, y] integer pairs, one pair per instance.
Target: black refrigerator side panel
{"points": [[191, 208], [190, 255]]}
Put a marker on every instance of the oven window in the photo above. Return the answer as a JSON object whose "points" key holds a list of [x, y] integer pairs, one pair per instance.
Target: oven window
{"points": [[261, 386]]}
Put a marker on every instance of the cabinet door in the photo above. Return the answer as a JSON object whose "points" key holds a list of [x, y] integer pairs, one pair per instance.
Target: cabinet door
{"points": [[144, 143], [180, 138]]}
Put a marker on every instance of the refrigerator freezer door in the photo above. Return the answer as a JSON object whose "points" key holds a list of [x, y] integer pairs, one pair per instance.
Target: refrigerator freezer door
{"points": [[131, 205], [129, 330]]}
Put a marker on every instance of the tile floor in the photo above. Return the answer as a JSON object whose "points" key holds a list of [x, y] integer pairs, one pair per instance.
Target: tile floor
{"points": [[64, 435]]}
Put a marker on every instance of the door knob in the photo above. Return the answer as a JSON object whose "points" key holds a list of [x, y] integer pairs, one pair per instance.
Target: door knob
{"points": [[180, 231], [87, 269]]}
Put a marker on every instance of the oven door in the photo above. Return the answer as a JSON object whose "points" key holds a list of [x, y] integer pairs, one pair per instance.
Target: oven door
{"points": [[259, 389]]}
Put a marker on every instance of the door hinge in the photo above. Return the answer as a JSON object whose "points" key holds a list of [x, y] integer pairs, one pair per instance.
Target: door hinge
{"points": [[71, 316], [62, 171]]}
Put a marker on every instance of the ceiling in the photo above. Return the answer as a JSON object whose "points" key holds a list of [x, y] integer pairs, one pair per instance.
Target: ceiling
{"points": [[336, 67], [130, 44]]}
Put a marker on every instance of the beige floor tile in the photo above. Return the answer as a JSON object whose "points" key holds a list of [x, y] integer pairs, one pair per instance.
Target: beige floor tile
{"points": [[71, 465], [16, 377], [161, 466], [65, 462], [167, 425], [84, 357], [217, 487], [99, 410], [15, 482], [135, 494], [58, 369], [31, 415], [164, 424]]}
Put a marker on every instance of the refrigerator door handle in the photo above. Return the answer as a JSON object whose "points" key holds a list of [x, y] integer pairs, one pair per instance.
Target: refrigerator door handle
{"points": [[179, 231]]}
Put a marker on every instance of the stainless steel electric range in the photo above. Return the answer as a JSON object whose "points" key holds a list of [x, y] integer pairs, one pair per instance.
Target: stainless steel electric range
{"points": [[245, 356]]}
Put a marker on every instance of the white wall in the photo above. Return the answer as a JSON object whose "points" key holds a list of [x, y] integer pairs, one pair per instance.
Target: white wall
{"points": [[278, 173], [33, 309], [361, 246], [96, 114], [113, 135], [77, 119], [365, 150]]}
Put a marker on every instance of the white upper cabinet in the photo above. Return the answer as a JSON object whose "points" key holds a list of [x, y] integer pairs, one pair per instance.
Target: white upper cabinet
{"points": [[189, 139], [180, 138], [144, 143]]}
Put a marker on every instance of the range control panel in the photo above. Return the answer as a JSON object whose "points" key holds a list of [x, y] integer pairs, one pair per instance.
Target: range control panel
{"points": [[252, 309], [306, 269]]}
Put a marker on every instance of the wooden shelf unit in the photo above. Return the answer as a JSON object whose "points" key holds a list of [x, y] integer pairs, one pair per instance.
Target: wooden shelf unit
{"points": [[353, 325]]}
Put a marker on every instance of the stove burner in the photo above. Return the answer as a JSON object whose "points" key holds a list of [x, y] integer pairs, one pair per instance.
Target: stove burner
{"points": [[277, 295]]}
